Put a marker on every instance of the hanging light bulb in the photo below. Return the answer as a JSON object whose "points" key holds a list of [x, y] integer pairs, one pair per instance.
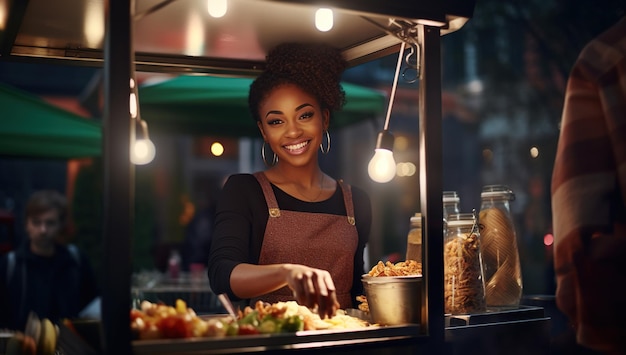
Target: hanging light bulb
{"points": [[382, 166], [133, 99], [143, 150], [324, 19], [217, 8]]}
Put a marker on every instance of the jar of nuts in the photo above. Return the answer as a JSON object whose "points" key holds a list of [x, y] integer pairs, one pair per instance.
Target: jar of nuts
{"points": [[464, 288]]}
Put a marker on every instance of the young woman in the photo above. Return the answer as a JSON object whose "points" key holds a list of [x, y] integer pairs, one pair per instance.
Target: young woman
{"points": [[292, 232]]}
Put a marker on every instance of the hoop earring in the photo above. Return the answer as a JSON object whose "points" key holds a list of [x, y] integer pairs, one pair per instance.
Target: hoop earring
{"points": [[274, 158], [325, 151]]}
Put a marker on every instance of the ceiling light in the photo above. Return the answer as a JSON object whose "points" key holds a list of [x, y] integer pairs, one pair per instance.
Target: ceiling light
{"points": [[324, 19], [217, 8]]}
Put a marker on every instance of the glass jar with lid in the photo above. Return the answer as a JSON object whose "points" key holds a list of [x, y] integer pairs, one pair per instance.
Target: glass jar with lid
{"points": [[464, 289], [414, 239], [451, 202], [502, 270]]}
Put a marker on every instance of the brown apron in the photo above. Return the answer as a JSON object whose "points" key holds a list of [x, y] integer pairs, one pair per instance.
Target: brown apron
{"points": [[318, 240]]}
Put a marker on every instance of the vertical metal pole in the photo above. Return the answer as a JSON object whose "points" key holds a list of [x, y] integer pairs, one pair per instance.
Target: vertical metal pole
{"points": [[431, 165], [118, 179]]}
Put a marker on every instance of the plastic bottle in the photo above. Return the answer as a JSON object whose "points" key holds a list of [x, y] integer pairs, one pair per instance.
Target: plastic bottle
{"points": [[414, 239], [173, 264], [502, 270]]}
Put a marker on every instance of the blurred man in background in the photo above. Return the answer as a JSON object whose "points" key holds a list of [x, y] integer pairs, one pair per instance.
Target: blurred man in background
{"points": [[42, 275]]}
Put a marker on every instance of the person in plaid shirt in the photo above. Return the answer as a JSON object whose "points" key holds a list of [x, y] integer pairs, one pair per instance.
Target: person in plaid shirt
{"points": [[589, 195]]}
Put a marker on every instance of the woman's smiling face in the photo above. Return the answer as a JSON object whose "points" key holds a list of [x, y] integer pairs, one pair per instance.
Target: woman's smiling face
{"points": [[292, 123]]}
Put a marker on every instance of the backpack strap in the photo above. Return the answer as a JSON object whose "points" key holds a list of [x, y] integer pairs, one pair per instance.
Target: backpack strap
{"points": [[73, 249], [10, 265], [11, 261]]}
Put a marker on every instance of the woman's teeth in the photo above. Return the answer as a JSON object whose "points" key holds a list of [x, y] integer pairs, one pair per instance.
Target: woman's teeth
{"points": [[297, 146]]}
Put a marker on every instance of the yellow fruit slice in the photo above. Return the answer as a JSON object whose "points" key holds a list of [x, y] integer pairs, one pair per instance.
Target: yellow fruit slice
{"points": [[47, 343]]}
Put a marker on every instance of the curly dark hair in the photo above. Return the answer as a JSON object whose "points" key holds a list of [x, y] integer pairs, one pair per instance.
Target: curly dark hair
{"points": [[315, 68]]}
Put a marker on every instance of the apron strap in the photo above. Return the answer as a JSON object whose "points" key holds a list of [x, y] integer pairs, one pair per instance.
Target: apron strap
{"points": [[270, 198], [347, 200]]}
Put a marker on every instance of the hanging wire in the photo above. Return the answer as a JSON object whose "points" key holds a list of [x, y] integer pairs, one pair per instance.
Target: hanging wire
{"points": [[140, 15], [395, 85]]}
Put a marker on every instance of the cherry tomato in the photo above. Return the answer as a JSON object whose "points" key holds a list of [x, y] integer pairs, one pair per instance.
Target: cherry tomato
{"points": [[134, 314], [247, 329], [174, 327]]}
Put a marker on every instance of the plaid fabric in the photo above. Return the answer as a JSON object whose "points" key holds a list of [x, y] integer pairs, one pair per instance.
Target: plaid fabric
{"points": [[589, 195]]}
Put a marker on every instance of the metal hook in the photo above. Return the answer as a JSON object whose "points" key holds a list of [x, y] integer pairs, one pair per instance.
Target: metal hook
{"points": [[407, 58], [412, 61], [412, 77]]}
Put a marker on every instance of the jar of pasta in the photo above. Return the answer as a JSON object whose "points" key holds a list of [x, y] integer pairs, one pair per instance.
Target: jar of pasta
{"points": [[502, 270], [464, 290]]}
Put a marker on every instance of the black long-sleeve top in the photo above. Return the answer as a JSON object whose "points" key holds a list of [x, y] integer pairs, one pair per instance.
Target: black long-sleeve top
{"points": [[53, 287], [241, 218]]}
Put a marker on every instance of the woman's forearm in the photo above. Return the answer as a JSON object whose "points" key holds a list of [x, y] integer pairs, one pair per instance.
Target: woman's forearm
{"points": [[248, 280]]}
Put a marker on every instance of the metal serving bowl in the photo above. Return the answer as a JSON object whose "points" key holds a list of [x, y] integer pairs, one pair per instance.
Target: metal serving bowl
{"points": [[394, 300]]}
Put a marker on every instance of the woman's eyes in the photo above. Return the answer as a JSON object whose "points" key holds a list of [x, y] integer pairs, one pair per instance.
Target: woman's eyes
{"points": [[303, 116]]}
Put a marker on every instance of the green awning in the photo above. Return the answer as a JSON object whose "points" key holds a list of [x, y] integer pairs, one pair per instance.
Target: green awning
{"points": [[198, 105], [31, 127], [219, 106]]}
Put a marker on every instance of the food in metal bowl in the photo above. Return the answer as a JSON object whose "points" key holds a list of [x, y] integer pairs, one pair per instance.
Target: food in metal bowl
{"points": [[401, 268], [394, 300]]}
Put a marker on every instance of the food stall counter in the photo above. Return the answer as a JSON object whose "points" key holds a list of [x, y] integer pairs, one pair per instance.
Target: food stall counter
{"points": [[374, 340]]}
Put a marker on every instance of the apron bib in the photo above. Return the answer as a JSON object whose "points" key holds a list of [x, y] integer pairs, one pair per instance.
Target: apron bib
{"points": [[319, 240]]}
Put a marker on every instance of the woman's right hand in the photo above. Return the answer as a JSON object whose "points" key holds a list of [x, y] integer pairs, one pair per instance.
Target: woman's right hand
{"points": [[313, 288]]}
